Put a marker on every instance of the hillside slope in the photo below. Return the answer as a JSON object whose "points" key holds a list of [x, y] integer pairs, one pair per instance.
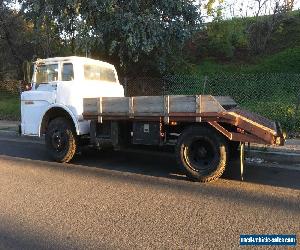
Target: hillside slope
{"points": [[286, 61]]}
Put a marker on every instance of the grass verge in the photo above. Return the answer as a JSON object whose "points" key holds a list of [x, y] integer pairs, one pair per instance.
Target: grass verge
{"points": [[9, 107]]}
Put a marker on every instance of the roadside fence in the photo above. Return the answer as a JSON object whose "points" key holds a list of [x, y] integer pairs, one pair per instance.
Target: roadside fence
{"points": [[274, 95]]}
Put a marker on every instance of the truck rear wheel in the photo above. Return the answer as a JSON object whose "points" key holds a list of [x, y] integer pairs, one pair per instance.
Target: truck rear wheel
{"points": [[202, 153], [61, 141]]}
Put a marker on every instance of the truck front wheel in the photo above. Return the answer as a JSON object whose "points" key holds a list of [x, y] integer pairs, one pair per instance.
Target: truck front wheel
{"points": [[61, 140], [202, 153]]}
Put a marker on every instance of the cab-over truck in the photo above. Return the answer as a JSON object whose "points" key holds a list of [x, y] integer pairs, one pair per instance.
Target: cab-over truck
{"points": [[74, 101]]}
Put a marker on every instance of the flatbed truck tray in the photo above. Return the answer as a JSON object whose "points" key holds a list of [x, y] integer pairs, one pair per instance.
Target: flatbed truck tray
{"points": [[220, 112]]}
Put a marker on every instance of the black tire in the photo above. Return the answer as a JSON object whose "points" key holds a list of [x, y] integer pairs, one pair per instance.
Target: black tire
{"points": [[61, 141], [202, 153]]}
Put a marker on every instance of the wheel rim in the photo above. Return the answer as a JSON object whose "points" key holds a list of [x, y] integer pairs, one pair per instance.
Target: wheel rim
{"points": [[202, 155], [59, 141]]}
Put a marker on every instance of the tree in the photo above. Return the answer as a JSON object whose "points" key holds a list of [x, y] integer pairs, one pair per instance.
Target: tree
{"points": [[214, 8], [15, 44], [261, 30], [125, 31]]}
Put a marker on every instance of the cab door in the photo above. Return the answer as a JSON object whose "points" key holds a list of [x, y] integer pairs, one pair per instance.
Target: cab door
{"points": [[35, 102]]}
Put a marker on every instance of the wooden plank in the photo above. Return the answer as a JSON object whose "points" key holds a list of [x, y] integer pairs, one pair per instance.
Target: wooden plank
{"points": [[90, 105], [182, 103], [148, 104], [115, 105]]}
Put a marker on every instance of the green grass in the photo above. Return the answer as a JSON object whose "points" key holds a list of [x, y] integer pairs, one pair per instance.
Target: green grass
{"points": [[9, 106], [287, 61]]}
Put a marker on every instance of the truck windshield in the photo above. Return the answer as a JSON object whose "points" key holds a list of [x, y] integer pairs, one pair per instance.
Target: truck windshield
{"points": [[99, 73], [46, 73]]}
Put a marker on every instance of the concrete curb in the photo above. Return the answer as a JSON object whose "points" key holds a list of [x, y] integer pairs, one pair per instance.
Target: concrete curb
{"points": [[14, 136], [285, 149], [8, 132], [274, 156]]}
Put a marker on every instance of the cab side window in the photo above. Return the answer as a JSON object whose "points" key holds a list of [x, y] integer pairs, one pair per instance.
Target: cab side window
{"points": [[99, 73], [67, 72]]}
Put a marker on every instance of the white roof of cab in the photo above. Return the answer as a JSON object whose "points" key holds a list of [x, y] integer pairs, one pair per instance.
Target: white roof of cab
{"points": [[74, 59]]}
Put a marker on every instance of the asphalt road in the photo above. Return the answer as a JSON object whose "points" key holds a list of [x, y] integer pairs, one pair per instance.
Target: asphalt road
{"points": [[135, 201]]}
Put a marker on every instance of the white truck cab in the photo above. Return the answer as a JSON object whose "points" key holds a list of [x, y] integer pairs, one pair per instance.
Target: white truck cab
{"points": [[58, 87]]}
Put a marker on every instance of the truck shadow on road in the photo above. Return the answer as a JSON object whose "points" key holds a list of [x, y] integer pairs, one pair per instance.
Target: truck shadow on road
{"points": [[165, 165], [153, 164]]}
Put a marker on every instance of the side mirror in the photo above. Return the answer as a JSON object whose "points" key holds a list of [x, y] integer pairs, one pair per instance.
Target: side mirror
{"points": [[25, 86]]}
